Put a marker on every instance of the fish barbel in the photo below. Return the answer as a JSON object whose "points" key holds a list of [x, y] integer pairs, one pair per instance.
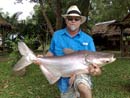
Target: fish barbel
{"points": [[62, 66]]}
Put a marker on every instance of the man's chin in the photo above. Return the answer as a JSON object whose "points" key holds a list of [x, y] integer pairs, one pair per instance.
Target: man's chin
{"points": [[73, 28]]}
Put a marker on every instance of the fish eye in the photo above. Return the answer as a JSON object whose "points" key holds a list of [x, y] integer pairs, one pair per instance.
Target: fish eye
{"points": [[107, 61]]}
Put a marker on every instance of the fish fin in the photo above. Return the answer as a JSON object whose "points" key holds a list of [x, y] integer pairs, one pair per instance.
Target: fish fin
{"points": [[22, 63], [27, 57], [86, 56], [23, 49], [51, 76], [67, 50]]}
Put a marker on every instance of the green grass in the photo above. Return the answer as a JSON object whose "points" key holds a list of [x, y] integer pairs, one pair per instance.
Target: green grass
{"points": [[113, 83], [32, 85]]}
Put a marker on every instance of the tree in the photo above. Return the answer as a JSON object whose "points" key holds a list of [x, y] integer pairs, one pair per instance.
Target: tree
{"points": [[57, 7], [105, 10], [47, 17]]}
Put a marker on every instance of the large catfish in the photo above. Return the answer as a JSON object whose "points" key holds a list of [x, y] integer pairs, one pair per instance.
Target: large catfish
{"points": [[62, 66]]}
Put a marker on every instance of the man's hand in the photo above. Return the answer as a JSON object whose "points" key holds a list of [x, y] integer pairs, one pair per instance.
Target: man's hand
{"points": [[36, 61], [41, 56], [71, 81], [94, 70]]}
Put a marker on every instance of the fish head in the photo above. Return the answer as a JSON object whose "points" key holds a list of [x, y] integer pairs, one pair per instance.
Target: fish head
{"points": [[100, 58]]}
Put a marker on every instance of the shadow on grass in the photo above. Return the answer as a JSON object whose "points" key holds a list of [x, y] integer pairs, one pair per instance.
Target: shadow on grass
{"points": [[126, 87]]}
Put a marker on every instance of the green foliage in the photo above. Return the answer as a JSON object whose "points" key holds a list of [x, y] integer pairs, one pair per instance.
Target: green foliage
{"points": [[13, 51], [30, 41], [105, 10], [99, 11]]}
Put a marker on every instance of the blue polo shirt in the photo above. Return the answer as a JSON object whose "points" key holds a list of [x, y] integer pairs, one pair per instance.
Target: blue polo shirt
{"points": [[62, 39]]}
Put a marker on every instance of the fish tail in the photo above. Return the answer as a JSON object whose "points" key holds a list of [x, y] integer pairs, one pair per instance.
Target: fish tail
{"points": [[51, 77], [27, 57]]}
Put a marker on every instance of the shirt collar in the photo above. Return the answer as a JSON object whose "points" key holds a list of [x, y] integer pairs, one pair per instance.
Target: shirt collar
{"points": [[67, 33]]}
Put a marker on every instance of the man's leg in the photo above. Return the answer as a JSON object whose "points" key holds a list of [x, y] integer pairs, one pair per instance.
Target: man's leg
{"points": [[82, 85], [84, 90]]}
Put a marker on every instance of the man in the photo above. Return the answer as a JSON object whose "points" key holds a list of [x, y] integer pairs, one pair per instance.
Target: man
{"points": [[72, 37]]}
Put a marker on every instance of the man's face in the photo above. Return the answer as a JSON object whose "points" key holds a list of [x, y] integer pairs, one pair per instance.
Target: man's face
{"points": [[73, 22]]}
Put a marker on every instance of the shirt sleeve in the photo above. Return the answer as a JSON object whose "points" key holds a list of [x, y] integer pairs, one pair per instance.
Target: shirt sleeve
{"points": [[92, 45], [52, 45]]}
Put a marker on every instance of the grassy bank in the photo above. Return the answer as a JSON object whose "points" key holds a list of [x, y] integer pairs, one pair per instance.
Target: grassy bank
{"points": [[113, 83]]}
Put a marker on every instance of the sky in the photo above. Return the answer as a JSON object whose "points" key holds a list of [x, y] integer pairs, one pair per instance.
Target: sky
{"points": [[9, 6]]}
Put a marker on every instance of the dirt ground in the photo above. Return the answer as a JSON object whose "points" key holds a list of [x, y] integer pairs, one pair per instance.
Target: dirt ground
{"points": [[4, 57]]}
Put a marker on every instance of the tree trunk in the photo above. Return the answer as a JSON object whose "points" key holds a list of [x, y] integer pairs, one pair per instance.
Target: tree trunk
{"points": [[49, 25], [58, 14], [84, 7]]}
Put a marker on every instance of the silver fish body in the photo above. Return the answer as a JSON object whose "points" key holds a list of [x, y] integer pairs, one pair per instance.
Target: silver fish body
{"points": [[62, 66]]}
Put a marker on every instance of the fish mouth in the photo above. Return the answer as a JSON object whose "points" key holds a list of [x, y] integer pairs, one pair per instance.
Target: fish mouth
{"points": [[110, 60], [113, 59]]}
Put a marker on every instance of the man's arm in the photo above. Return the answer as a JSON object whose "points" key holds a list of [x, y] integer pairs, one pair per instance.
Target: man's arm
{"points": [[49, 54]]}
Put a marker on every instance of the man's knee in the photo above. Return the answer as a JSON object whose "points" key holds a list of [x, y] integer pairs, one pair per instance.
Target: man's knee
{"points": [[82, 85], [84, 91], [83, 88]]}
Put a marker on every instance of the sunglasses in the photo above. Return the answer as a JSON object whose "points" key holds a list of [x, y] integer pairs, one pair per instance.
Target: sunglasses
{"points": [[73, 18]]}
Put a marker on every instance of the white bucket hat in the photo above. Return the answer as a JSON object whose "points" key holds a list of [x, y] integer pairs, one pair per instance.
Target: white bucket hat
{"points": [[74, 11]]}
